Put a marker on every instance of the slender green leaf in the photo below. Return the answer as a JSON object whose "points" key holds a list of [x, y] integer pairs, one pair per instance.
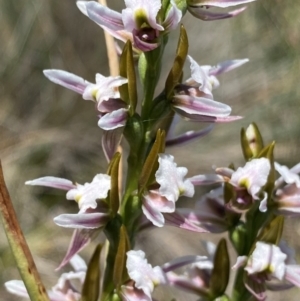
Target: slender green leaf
{"points": [[120, 272], [114, 200], [220, 273], [151, 161], [272, 232], [91, 285], [124, 93], [176, 71], [128, 91], [132, 90]]}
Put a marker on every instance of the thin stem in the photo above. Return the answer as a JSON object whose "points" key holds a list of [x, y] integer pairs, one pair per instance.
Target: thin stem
{"points": [[19, 247]]}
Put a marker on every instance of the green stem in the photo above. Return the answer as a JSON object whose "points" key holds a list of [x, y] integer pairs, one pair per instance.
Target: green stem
{"points": [[112, 233], [149, 69], [240, 292], [19, 247]]}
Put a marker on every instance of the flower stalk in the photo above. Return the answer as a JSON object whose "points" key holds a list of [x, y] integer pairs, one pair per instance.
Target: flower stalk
{"points": [[19, 247]]}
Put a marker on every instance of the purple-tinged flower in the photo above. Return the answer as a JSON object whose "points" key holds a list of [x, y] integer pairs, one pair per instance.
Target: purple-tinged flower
{"points": [[247, 181], [210, 214], [194, 99], [104, 88], [199, 8], [110, 142], [201, 78], [287, 190], [68, 287], [174, 140], [130, 293], [80, 239], [93, 214], [288, 176], [85, 195], [172, 185], [196, 279], [146, 277], [137, 22], [172, 179], [113, 111], [268, 262], [287, 200], [253, 176]]}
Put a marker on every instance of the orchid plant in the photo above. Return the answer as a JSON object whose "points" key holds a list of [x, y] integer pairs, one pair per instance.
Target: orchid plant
{"points": [[248, 203]]}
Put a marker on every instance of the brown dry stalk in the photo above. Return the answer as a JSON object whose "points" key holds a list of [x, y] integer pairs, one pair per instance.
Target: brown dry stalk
{"points": [[19, 247]]}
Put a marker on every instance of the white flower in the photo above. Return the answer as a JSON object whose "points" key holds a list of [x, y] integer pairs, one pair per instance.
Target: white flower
{"points": [[171, 179], [145, 276], [172, 186], [137, 22], [267, 257], [87, 195], [253, 176]]}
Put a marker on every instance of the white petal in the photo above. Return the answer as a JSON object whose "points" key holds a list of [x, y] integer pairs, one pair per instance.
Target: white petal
{"points": [[205, 15], [171, 179], [81, 6], [113, 120], [153, 206], [240, 261], [142, 273], [292, 274], [110, 142], [222, 3], [80, 239], [86, 195], [53, 182], [253, 176], [104, 16], [201, 106], [287, 175], [67, 80], [173, 17], [17, 287], [130, 293], [78, 263], [200, 76], [82, 220], [267, 257], [227, 66], [149, 8]]}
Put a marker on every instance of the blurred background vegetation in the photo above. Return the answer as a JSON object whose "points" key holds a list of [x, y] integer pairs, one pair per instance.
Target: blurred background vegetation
{"points": [[48, 130]]}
